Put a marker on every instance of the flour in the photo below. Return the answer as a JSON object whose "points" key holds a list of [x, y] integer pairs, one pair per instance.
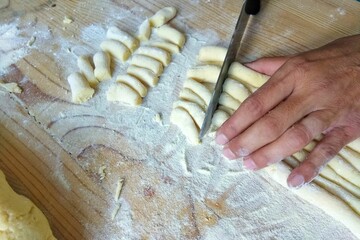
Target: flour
{"points": [[243, 205]]}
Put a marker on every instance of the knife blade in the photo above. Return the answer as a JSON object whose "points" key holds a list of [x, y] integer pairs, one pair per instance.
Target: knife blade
{"points": [[250, 7]]}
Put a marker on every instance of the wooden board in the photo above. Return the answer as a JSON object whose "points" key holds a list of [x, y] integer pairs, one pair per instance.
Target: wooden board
{"points": [[51, 150]]}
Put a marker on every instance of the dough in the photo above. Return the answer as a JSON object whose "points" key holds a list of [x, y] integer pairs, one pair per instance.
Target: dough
{"points": [[243, 74], [80, 88], [163, 16], [87, 70], [228, 101], [129, 41], [121, 92], [195, 111], [171, 34], [167, 46], [199, 89], [181, 118], [10, 87], [206, 73], [212, 55], [144, 31], [155, 53], [235, 89], [134, 83], [189, 95], [19, 217], [116, 49], [145, 75], [147, 62], [102, 66], [219, 118]]}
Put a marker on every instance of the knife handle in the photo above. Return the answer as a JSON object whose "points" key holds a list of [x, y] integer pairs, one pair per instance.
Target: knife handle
{"points": [[252, 7]]}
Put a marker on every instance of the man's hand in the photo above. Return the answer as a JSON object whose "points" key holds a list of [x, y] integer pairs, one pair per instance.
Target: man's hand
{"points": [[308, 94]]}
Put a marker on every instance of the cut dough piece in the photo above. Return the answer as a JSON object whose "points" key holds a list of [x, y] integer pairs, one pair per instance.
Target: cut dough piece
{"points": [[355, 145], [155, 53], [243, 74], [219, 118], [134, 83], [189, 95], [195, 111], [226, 109], [120, 92], [212, 54], [19, 217], [129, 41], [102, 66], [351, 156], [147, 62], [236, 89], [163, 16], [80, 88], [171, 34], [144, 31], [87, 70], [199, 89], [181, 118], [145, 75], [167, 46], [206, 73], [10, 87], [228, 101], [116, 49]]}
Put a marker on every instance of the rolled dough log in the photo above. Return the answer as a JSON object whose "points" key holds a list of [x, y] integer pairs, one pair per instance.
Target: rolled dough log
{"points": [[163, 16], [87, 70], [19, 217], [134, 83], [146, 76], [116, 49], [155, 53], [129, 41], [171, 34], [243, 74], [147, 62], [206, 73], [80, 88], [121, 92], [102, 66], [167, 46]]}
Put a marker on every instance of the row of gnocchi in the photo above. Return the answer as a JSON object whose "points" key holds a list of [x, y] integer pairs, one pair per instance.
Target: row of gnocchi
{"points": [[147, 62], [189, 111]]}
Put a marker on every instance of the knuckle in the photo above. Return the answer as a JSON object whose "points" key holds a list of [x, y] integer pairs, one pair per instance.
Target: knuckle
{"points": [[254, 105], [272, 125], [327, 152], [301, 136]]}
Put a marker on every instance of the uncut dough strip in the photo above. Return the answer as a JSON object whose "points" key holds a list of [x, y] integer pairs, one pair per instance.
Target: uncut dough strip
{"points": [[87, 70], [116, 49], [121, 92], [206, 73], [80, 88], [102, 66], [129, 41], [171, 34], [134, 83], [155, 53]]}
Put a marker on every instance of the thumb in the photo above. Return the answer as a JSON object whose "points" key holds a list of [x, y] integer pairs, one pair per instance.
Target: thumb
{"points": [[267, 65]]}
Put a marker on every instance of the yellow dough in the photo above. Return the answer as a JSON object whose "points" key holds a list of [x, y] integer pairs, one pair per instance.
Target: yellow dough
{"points": [[144, 31], [171, 34], [163, 16], [87, 70], [19, 217], [145, 75], [167, 46], [80, 88], [116, 49], [212, 54], [206, 73], [121, 92], [156, 53], [119, 35]]}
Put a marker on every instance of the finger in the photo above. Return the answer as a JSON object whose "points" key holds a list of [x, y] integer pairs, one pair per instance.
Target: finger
{"points": [[270, 127], [324, 151], [267, 65], [293, 140]]}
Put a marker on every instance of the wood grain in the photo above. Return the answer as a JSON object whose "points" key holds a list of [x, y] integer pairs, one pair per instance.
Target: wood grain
{"points": [[51, 150]]}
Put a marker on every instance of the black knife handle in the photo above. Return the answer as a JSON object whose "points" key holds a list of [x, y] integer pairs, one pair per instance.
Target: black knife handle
{"points": [[252, 7]]}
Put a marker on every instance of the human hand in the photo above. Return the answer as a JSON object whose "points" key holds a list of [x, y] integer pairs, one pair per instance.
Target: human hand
{"points": [[309, 94]]}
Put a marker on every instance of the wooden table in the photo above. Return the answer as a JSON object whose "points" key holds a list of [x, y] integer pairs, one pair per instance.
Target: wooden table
{"points": [[51, 150]]}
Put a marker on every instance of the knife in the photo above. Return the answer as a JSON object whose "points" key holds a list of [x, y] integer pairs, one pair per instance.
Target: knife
{"points": [[250, 7]]}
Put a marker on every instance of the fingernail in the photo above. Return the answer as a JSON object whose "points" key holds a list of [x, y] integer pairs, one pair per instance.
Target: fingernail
{"points": [[221, 139], [249, 164], [243, 152], [229, 154], [296, 181]]}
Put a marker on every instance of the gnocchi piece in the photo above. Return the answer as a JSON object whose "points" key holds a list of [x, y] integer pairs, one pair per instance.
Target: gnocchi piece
{"points": [[219, 118], [167, 46], [134, 83], [80, 88], [163, 16], [199, 89], [236, 89], [145, 75], [189, 95], [181, 118], [212, 54], [147, 62], [120, 92], [144, 31], [243, 74], [116, 49], [87, 70], [195, 111], [155, 53], [171, 34], [102, 66], [228, 101], [226, 109], [129, 41], [206, 73]]}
